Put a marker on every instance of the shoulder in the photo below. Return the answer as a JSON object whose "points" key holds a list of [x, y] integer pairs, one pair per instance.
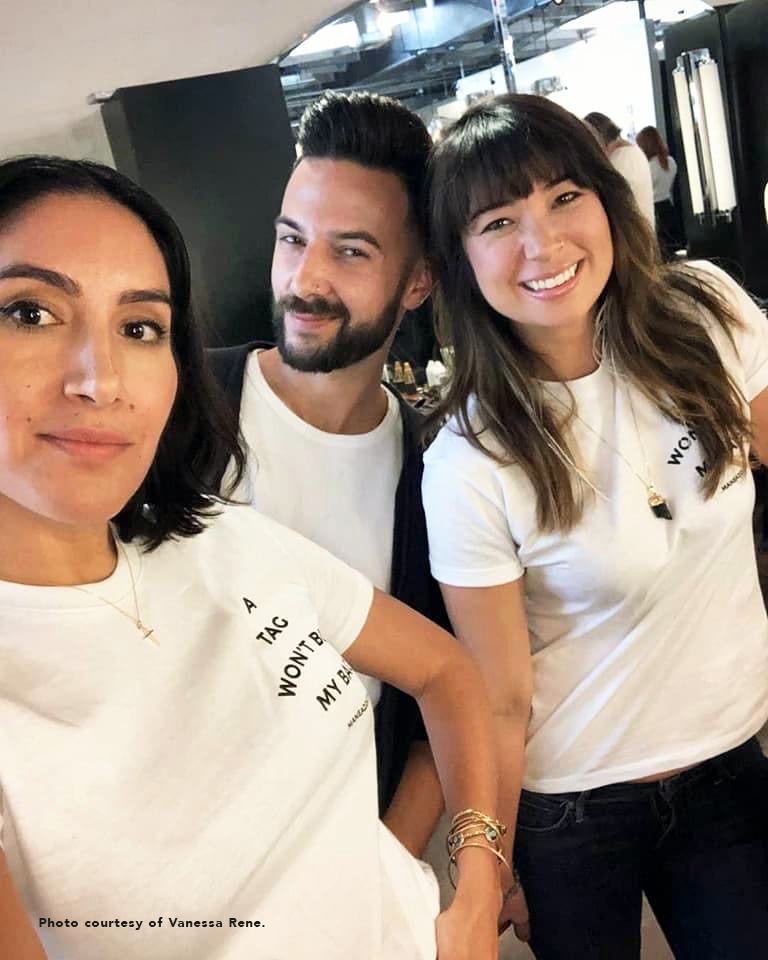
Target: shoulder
{"points": [[228, 367], [239, 540], [409, 417], [632, 162], [451, 453], [743, 347], [715, 277]]}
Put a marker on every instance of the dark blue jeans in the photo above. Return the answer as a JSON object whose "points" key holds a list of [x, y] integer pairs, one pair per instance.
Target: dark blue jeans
{"points": [[696, 844]]}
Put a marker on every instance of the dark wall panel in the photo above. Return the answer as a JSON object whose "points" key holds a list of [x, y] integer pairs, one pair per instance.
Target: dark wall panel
{"points": [[746, 34], [217, 152]]}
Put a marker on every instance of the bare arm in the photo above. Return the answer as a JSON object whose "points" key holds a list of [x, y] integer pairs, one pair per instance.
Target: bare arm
{"points": [[418, 801], [491, 623], [410, 652], [17, 938], [759, 412]]}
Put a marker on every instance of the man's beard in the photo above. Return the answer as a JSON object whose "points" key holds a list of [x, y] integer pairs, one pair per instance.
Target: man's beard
{"points": [[351, 344]]}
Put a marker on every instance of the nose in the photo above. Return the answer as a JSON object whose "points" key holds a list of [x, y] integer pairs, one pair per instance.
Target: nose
{"points": [[92, 372], [311, 275], [540, 238]]}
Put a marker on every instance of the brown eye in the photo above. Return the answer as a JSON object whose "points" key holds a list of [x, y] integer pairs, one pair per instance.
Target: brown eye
{"points": [[144, 331], [28, 313]]}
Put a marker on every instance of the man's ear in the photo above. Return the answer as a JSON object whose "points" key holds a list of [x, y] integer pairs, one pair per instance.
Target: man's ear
{"points": [[419, 285]]}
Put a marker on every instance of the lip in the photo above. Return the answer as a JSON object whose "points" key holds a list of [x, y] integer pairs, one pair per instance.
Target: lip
{"points": [[88, 444], [554, 292], [311, 319]]}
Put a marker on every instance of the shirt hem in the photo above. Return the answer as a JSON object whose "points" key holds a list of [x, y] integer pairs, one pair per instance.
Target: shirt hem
{"points": [[358, 616], [757, 383], [476, 578], [647, 768]]}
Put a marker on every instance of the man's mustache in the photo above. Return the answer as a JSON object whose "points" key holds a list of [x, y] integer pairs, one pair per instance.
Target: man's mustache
{"points": [[316, 307]]}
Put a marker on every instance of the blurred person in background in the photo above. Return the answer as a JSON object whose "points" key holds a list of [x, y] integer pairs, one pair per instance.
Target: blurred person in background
{"points": [[663, 174], [628, 159]]}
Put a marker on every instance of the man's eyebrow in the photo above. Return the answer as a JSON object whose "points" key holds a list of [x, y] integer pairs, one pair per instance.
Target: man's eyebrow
{"points": [[337, 235], [287, 222], [28, 271], [358, 235], [145, 296]]}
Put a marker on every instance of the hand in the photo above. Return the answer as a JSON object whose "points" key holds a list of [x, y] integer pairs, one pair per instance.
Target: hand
{"points": [[467, 931], [514, 912]]}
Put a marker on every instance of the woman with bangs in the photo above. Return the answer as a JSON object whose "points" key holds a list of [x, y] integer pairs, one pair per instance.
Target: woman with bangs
{"points": [[589, 503]]}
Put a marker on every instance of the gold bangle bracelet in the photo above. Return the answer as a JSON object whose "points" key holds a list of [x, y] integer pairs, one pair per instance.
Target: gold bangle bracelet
{"points": [[452, 861]]}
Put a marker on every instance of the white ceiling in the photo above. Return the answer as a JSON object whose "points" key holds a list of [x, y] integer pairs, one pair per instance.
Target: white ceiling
{"points": [[53, 54]]}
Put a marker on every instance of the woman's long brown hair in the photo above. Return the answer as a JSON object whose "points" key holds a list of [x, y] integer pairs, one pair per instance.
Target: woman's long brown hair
{"points": [[650, 142], [651, 319]]}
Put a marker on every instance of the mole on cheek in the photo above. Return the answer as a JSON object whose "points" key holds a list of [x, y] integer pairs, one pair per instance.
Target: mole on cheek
{"points": [[131, 406]]}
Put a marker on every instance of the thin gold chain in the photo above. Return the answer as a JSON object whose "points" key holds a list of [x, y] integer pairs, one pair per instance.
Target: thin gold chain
{"points": [[147, 632], [648, 482]]}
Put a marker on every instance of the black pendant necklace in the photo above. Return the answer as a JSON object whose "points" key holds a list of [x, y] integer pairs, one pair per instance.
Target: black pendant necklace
{"points": [[658, 504]]}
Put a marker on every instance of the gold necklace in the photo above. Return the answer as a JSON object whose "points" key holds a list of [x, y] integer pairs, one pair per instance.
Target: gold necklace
{"points": [[656, 502], [146, 632]]}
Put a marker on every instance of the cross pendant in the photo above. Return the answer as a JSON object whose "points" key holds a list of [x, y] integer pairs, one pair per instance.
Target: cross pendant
{"points": [[146, 632]]}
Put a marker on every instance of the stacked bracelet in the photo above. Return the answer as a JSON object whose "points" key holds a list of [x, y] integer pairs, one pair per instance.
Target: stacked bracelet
{"points": [[471, 828]]}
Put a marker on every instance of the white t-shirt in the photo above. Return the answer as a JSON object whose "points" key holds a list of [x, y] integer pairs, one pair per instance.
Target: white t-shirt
{"points": [[336, 489], [662, 179], [632, 164], [227, 773], [649, 638]]}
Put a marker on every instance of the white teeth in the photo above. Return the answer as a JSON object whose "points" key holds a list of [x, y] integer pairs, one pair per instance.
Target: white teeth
{"points": [[552, 282]]}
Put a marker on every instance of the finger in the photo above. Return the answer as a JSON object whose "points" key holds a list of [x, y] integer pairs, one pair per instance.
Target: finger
{"points": [[516, 909], [523, 931]]}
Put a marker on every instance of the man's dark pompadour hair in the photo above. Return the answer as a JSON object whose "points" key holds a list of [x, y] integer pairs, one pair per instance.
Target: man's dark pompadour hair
{"points": [[374, 131]]}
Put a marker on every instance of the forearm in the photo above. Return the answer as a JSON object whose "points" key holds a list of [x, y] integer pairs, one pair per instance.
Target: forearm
{"points": [[463, 744], [510, 740], [461, 733], [418, 801]]}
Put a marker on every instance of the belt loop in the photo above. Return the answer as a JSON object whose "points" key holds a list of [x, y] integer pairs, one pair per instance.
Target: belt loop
{"points": [[580, 803]]}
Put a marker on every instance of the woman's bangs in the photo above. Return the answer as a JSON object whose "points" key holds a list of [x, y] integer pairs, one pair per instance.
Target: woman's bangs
{"points": [[503, 169]]}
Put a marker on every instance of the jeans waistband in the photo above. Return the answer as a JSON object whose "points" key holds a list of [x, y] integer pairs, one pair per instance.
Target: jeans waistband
{"points": [[724, 766]]}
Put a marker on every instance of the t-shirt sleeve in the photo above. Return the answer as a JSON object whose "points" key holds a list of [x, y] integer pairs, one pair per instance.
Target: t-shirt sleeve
{"points": [[470, 544], [340, 595], [752, 338]]}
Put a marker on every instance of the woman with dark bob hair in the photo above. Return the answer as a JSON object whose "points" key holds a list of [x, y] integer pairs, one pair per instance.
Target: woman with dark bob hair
{"points": [[589, 513], [187, 761]]}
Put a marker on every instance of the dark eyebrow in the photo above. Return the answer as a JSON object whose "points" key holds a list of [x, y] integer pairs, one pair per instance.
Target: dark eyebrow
{"points": [[29, 272], [358, 235], [145, 296], [510, 200], [287, 222], [339, 235], [26, 271], [494, 205]]}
